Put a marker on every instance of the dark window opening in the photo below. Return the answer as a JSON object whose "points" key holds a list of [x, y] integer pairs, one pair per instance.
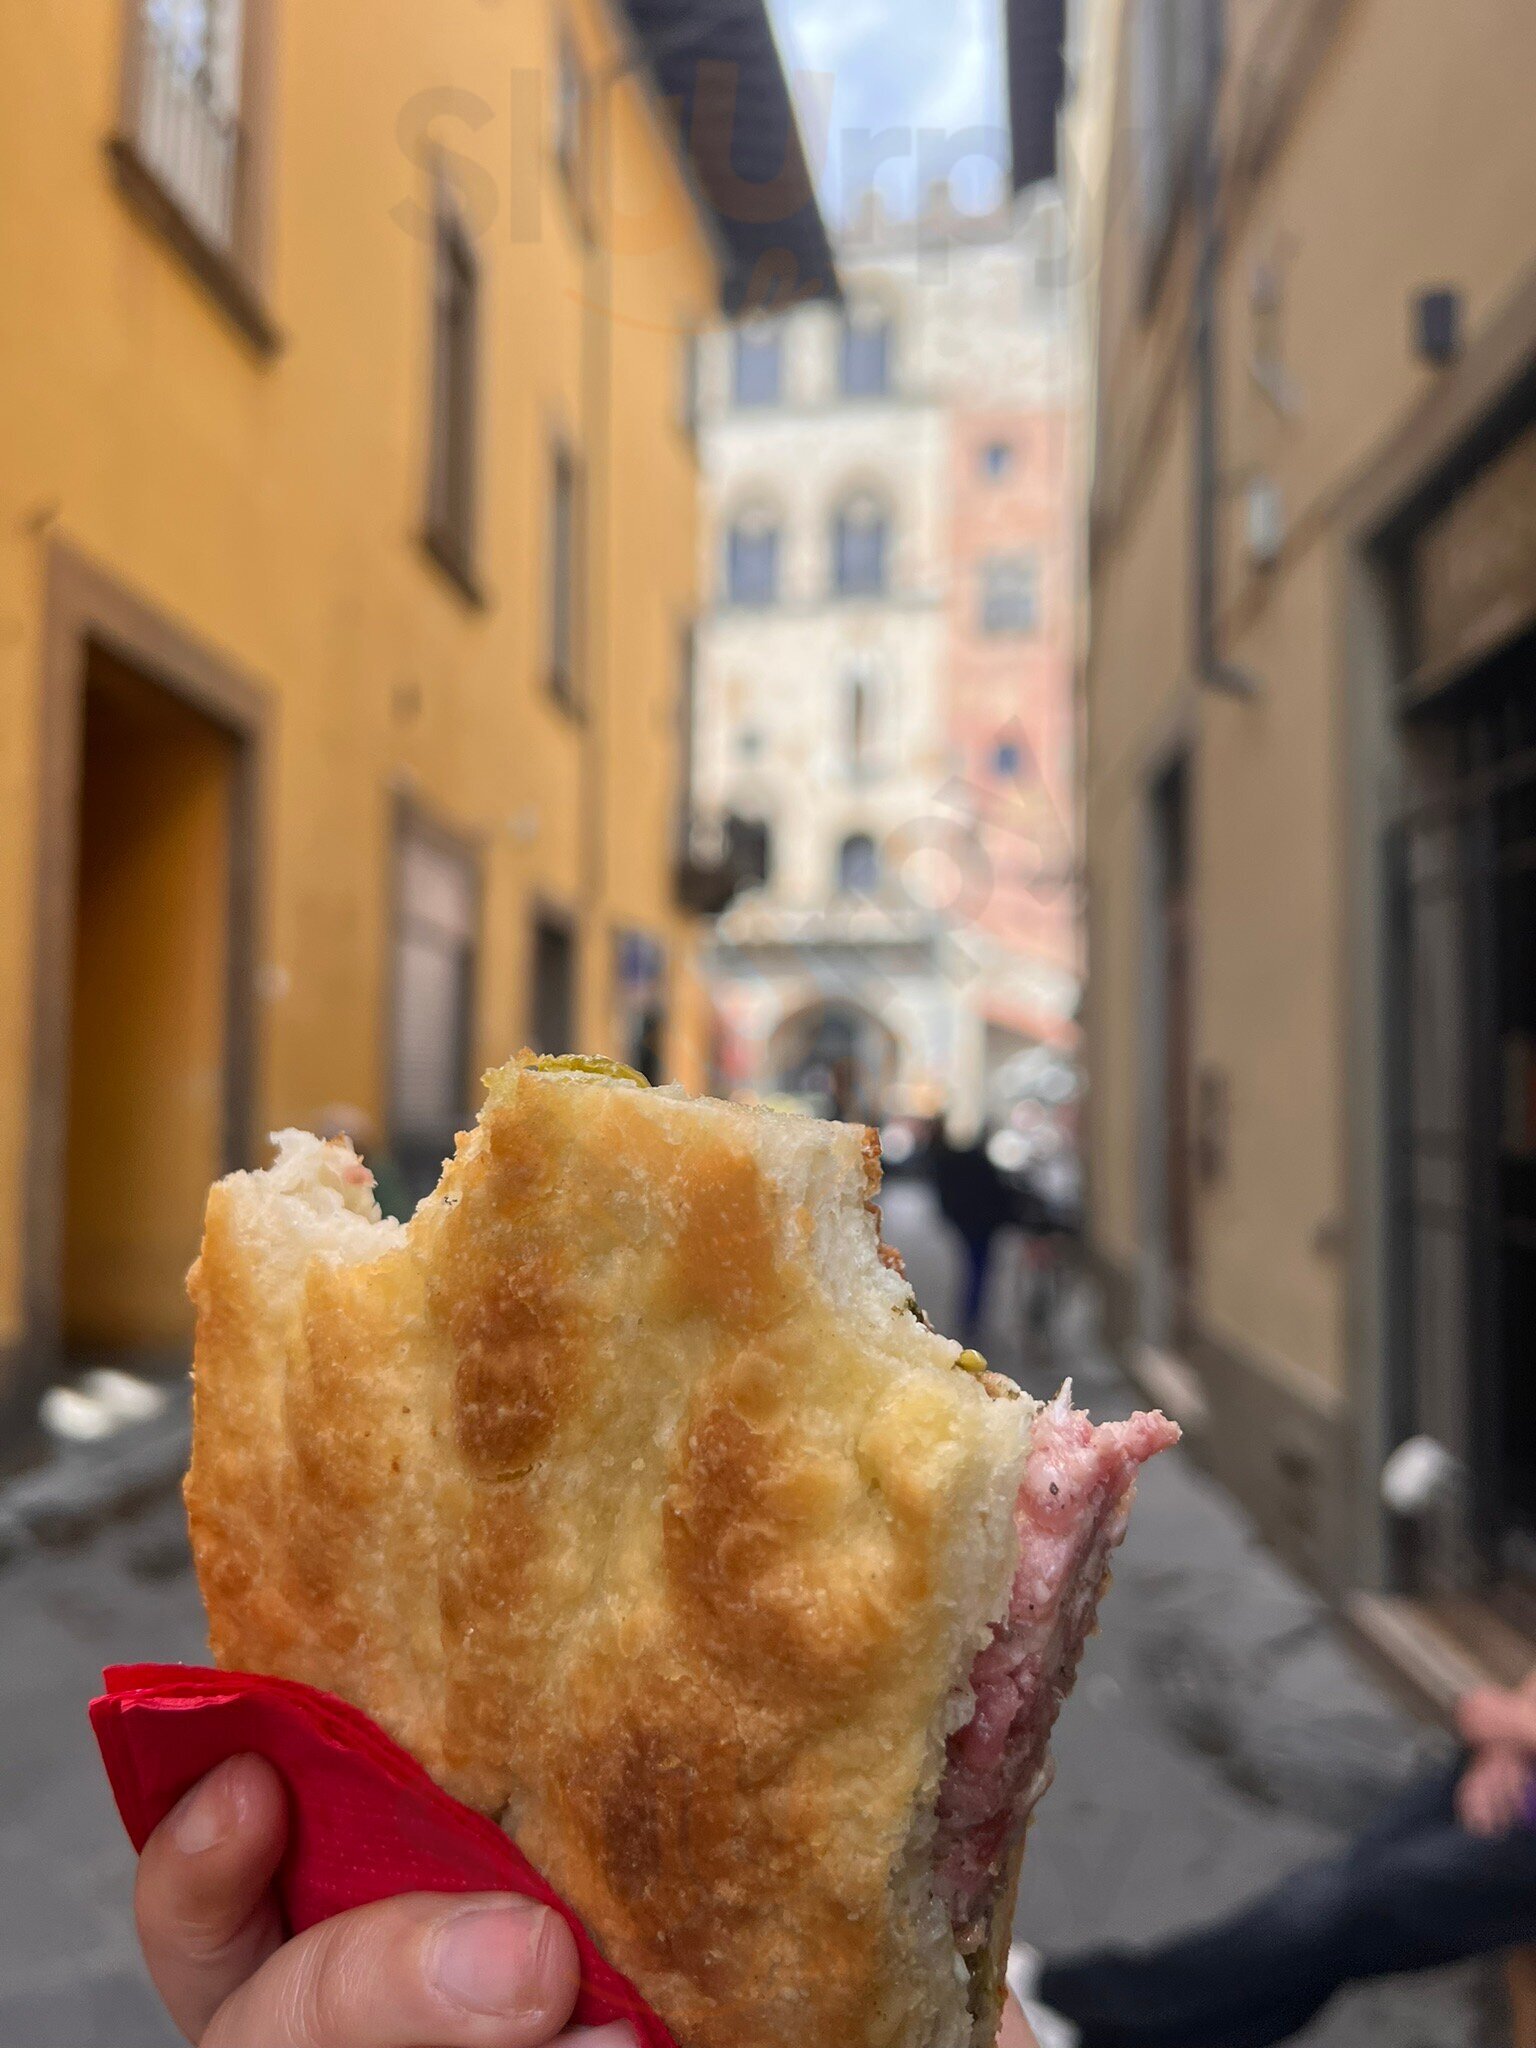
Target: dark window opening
{"points": [[860, 548], [553, 1023], [752, 560], [759, 366], [452, 463], [858, 865], [564, 577], [864, 362]]}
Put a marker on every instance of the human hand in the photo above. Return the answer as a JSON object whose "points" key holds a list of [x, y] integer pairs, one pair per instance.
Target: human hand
{"points": [[1015, 2030], [1492, 1793], [1488, 1714], [485, 1970]]}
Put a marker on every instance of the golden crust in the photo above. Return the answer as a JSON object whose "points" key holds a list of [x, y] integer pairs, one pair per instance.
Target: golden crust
{"points": [[594, 1495]]}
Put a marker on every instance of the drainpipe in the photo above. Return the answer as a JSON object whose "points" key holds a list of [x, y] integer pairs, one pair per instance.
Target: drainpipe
{"points": [[1211, 668], [592, 557]]}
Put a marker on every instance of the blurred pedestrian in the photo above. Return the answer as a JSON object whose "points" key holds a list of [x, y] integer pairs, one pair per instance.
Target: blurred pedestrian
{"points": [[977, 1201], [1447, 1873]]}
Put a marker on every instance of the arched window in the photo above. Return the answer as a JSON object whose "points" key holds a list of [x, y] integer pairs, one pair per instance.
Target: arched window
{"points": [[752, 556], [758, 370], [860, 547], [858, 865], [864, 357]]}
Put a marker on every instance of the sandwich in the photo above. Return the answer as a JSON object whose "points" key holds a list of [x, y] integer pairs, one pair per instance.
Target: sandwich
{"points": [[628, 1489]]}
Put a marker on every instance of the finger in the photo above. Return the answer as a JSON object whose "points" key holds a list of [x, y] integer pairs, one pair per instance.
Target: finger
{"points": [[483, 1971], [618, 2034], [206, 1915], [1015, 2031]]}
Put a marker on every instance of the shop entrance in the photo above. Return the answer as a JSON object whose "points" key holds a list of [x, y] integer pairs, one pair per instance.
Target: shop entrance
{"points": [[1466, 1113]]}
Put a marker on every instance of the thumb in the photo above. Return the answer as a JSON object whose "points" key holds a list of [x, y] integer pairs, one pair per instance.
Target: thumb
{"points": [[485, 1970], [1015, 2031]]}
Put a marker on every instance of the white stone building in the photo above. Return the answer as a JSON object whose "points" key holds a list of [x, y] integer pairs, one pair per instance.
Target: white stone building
{"points": [[831, 673]]}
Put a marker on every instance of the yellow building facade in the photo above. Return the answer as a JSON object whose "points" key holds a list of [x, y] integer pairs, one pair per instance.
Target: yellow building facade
{"points": [[348, 550]]}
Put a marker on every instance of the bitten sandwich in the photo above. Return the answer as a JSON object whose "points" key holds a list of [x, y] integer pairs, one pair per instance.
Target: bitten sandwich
{"points": [[626, 1487]]}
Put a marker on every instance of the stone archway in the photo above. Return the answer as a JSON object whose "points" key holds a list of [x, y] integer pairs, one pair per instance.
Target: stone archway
{"points": [[838, 1054]]}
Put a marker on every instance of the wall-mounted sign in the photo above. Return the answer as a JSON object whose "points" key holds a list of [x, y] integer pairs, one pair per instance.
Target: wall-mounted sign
{"points": [[1474, 568]]}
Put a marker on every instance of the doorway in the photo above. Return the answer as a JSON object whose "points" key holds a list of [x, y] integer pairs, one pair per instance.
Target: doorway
{"points": [[1169, 1052], [1465, 860], [837, 1058], [145, 915], [150, 977]]}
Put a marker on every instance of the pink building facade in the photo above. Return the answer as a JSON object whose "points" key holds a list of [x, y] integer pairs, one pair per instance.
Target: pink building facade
{"points": [[1010, 707]]}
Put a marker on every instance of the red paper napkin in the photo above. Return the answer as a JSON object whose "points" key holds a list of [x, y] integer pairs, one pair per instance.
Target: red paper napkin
{"points": [[367, 1821]]}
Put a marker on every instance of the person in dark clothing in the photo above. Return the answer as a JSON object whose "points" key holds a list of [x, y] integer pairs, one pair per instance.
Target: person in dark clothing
{"points": [[977, 1201], [1449, 1872]]}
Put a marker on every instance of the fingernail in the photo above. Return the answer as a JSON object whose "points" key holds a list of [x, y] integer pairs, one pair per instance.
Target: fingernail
{"points": [[617, 2035], [490, 1959], [210, 1812]]}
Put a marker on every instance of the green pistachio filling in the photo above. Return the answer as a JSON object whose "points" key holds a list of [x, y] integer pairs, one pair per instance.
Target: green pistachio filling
{"points": [[589, 1063]]}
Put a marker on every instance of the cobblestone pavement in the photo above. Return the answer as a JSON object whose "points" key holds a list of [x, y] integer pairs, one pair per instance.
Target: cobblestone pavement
{"points": [[1219, 1736]]}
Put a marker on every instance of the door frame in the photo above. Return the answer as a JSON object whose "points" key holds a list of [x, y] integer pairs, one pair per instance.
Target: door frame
{"points": [[85, 607]]}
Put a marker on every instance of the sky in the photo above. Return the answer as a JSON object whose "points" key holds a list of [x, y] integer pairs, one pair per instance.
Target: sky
{"points": [[931, 71]]}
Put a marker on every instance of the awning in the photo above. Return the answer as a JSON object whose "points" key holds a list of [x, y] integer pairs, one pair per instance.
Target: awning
{"points": [[716, 64]]}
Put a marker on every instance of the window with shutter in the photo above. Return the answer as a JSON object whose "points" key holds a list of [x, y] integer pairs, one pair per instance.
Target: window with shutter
{"points": [[860, 547], [752, 557], [192, 147], [453, 462], [436, 924], [564, 576], [187, 123], [858, 865]]}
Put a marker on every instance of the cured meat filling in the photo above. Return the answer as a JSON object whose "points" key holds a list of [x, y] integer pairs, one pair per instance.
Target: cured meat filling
{"points": [[1079, 1481]]}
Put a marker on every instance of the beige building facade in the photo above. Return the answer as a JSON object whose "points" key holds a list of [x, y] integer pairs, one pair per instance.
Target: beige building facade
{"points": [[1308, 774], [884, 674]]}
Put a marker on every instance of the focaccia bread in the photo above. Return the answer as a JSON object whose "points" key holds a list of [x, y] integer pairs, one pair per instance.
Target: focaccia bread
{"points": [[625, 1488]]}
